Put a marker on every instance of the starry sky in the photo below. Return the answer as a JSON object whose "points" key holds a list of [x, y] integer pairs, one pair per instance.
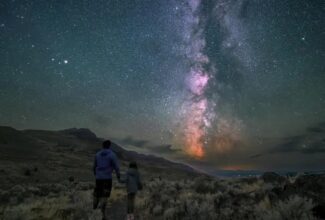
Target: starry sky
{"points": [[225, 84]]}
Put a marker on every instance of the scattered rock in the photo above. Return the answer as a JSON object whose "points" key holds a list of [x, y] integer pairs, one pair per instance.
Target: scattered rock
{"points": [[27, 172], [71, 179]]}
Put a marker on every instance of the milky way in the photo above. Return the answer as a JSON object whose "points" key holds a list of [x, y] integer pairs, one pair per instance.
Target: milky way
{"points": [[196, 106], [213, 82], [198, 112]]}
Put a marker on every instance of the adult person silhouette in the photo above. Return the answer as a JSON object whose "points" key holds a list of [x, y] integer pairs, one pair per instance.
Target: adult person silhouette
{"points": [[105, 163]]}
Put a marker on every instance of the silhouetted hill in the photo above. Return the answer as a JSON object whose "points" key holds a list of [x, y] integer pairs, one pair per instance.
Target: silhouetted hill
{"points": [[82, 133], [58, 155]]}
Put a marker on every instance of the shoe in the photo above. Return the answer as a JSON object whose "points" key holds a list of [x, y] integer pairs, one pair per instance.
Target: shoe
{"points": [[129, 217]]}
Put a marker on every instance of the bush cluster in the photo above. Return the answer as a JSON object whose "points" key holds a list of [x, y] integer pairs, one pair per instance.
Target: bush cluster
{"points": [[204, 198]]}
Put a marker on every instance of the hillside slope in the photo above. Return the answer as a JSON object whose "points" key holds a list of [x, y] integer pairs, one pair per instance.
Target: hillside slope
{"points": [[52, 156]]}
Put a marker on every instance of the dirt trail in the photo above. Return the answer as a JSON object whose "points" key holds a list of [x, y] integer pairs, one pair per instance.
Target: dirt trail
{"points": [[117, 210]]}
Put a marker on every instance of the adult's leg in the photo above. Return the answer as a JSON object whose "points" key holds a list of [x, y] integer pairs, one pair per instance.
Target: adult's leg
{"points": [[107, 187], [103, 206], [95, 200], [97, 193]]}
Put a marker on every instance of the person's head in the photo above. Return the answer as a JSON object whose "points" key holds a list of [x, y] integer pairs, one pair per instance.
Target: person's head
{"points": [[133, 165], [107, 144]]}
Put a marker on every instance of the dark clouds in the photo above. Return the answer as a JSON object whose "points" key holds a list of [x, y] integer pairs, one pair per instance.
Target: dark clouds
{"points": [[256, 156], [146, 145], [311, 142], [165, 149], [133, 142]]}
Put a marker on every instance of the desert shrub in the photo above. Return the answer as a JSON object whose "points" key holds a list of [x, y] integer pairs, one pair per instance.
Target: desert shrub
{"points": [[248, 187], [169, 214], [272, 177], [33, 190], [203, 185], [295, 208], [4, 196], [157, 210], [83, 186], [17, 194]]}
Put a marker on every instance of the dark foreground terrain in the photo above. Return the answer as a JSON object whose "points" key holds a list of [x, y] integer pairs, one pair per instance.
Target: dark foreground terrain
{"points": [[47, 175]]}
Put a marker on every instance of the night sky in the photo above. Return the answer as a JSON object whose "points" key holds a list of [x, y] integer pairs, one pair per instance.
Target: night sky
{"points": [[224, 84]]}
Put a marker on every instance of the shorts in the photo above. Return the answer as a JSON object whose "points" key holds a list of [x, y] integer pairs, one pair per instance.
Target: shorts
{"points": [[103, 188]]}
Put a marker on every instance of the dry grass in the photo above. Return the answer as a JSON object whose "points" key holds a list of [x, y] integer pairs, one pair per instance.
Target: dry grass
{"points": [[200, 198]]}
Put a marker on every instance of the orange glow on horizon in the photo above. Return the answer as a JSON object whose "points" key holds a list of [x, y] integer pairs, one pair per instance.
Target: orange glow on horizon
{"points": [[238, 167], [196, 151]]}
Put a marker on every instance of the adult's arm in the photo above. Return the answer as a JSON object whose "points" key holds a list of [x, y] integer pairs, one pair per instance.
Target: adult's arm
{"points": [[124, 179], [94, 166]]}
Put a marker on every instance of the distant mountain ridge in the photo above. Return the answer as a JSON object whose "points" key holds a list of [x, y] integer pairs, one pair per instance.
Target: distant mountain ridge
{"points": [[83, 133]]}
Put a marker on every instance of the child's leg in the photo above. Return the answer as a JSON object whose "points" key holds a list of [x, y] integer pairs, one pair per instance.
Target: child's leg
{"points": [[131, 198]]}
